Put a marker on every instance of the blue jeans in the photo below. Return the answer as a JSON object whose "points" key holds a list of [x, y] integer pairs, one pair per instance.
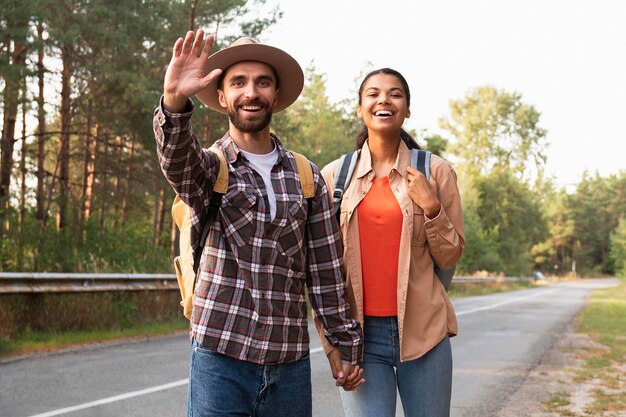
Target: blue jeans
{"points": [[424, 384], [221, 386]]}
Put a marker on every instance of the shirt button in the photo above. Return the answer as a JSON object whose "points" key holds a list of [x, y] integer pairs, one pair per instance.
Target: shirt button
{"points": [[259, 325]]}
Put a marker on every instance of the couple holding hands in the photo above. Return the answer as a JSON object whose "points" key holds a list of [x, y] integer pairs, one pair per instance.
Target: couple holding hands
{"points": [[383, 316]]}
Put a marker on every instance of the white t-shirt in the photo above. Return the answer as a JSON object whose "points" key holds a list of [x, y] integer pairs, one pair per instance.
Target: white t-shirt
{"points": [[263, 164]]}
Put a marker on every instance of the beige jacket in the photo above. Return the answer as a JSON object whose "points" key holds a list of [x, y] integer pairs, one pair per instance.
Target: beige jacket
{"points": [[425, 313]]}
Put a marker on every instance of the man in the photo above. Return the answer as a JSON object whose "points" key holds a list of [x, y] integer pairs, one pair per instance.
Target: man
{"points": [[268, 243]]}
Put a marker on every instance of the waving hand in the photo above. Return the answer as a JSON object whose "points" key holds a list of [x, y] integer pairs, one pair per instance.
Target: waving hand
{"points": [[188, 72]]}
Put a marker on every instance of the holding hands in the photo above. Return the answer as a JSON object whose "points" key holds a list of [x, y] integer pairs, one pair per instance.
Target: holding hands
{"points": [[188, 72], [346, 376], [423, 192]]}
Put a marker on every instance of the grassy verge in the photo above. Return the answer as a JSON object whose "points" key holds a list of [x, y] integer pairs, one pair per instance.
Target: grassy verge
{"points": [[469, 289], [603, 369], [29, 341]]}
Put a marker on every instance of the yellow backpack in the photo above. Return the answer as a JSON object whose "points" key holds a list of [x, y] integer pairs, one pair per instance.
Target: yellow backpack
{"points": [[187, 263]]}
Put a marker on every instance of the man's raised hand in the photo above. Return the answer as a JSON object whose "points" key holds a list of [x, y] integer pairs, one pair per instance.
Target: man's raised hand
{"points": [[188, 72]]}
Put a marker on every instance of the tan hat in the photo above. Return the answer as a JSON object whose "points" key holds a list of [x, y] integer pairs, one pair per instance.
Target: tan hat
{"points": [[290, 75]]}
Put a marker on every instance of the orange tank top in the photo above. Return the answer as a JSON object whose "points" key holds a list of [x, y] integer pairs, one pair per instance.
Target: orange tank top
{"points": [[380, 225]]}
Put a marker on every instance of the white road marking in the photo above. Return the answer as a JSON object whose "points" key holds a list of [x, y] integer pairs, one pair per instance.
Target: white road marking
{"points": [[512, 300], [113, 399]]}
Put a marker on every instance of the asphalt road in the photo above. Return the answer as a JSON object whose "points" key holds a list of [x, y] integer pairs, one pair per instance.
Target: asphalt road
{"points": [[502, 337]]}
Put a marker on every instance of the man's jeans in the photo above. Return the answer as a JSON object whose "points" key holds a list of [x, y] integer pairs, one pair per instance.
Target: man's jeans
{"points": [[221, 386], [425, 384]]}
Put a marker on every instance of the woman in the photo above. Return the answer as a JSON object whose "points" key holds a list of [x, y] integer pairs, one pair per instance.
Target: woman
{"points": [[396, 225]]}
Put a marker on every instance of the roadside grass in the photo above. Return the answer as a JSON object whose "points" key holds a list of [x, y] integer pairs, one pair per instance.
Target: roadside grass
{"points": [[557, 403], [469, 289], [603, 368], [29, 341]]}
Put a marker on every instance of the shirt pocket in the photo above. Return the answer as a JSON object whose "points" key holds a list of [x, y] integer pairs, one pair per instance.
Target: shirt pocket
{"points": [[238, 213], [292, 238], [418, 238]]}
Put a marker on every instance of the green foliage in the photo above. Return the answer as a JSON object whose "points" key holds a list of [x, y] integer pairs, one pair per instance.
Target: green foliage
{"points": [[508, 207], [314, 126], [596, 209], [481, 249], [110, 249], [618, 248], [495, 130]]}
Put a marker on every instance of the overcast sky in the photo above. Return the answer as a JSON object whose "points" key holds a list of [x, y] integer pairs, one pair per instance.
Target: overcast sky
{"points": [[567, 58]]}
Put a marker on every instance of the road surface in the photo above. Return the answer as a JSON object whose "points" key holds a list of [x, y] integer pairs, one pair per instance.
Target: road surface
{"points": [[502, 337]]}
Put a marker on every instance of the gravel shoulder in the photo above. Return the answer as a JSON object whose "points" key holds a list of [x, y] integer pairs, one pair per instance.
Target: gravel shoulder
{"points": [[555, 375]]}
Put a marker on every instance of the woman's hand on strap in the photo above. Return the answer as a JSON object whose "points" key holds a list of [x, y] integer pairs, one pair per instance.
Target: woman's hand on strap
{"points": [[423, 192]]}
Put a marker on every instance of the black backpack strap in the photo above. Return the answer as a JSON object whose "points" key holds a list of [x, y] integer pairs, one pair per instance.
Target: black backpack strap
{"points": [[420, 160], [214, 206], [219, 189], [343, 175]]}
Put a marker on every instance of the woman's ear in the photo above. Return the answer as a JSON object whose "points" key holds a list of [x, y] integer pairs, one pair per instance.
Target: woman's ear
{"points": [[359, 112]]}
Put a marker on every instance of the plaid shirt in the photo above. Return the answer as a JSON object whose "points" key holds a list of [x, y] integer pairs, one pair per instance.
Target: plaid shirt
{"points": [[250, 293]]}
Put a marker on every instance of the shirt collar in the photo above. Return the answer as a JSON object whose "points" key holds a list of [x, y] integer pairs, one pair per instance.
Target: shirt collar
{"points": [[232, 151]]}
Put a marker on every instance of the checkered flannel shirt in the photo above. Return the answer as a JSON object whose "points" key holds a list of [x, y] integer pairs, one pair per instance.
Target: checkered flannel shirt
{"points": [[250, 292]]}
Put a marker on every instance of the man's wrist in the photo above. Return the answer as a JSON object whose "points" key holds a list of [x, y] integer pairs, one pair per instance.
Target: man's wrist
{"points": [[174, 103]]}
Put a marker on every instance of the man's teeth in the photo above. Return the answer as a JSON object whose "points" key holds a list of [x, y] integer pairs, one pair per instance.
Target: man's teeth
{"points": [[383, 113], [251, 108]]}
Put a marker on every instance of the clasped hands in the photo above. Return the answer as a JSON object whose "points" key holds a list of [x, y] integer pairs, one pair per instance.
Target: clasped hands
{"points": [[346, 376]]}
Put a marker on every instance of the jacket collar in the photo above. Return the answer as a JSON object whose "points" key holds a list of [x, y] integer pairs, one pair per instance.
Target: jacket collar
{"points": [[403, 159]]}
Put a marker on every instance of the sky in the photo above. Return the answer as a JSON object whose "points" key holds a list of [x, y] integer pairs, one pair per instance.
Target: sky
{"points": [[565, 57]]}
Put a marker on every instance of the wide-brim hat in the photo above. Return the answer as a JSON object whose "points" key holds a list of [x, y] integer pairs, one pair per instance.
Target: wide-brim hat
{"points": [[289, 72]]}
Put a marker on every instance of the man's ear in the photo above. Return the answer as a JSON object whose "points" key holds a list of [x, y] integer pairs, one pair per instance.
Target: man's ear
{"points": [[221, 98]]}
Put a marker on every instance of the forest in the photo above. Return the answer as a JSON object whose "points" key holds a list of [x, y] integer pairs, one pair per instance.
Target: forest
{"points": [[81, 189]]}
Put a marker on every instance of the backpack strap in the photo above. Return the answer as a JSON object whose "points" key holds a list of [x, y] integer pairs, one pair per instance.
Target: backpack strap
{"points": [[420, 160], [343, 176], [305, 171], [219, 189]]}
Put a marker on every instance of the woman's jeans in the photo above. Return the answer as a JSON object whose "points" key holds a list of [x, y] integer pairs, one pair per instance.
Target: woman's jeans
{"points": [[221, 386], [424, 384]]}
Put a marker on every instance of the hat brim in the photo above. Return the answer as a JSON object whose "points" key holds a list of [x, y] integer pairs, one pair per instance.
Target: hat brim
{"points": [[290, 75]]}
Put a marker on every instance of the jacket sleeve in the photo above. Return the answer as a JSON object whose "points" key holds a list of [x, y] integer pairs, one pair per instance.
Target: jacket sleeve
{"points": [[445, 233]]}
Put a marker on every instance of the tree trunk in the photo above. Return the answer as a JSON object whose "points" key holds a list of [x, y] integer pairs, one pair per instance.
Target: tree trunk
{"points": [[22, 205], [192, 18], [162, 213], [103, 169], [119, 176], [206, 138], [89, 160], [129, 173], [174, 237], [7, 141], [64, 145], [41, 126], [157, 210]]}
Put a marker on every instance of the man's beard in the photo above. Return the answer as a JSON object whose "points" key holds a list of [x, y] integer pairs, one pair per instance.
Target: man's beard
{"points": [[250, 126]]}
